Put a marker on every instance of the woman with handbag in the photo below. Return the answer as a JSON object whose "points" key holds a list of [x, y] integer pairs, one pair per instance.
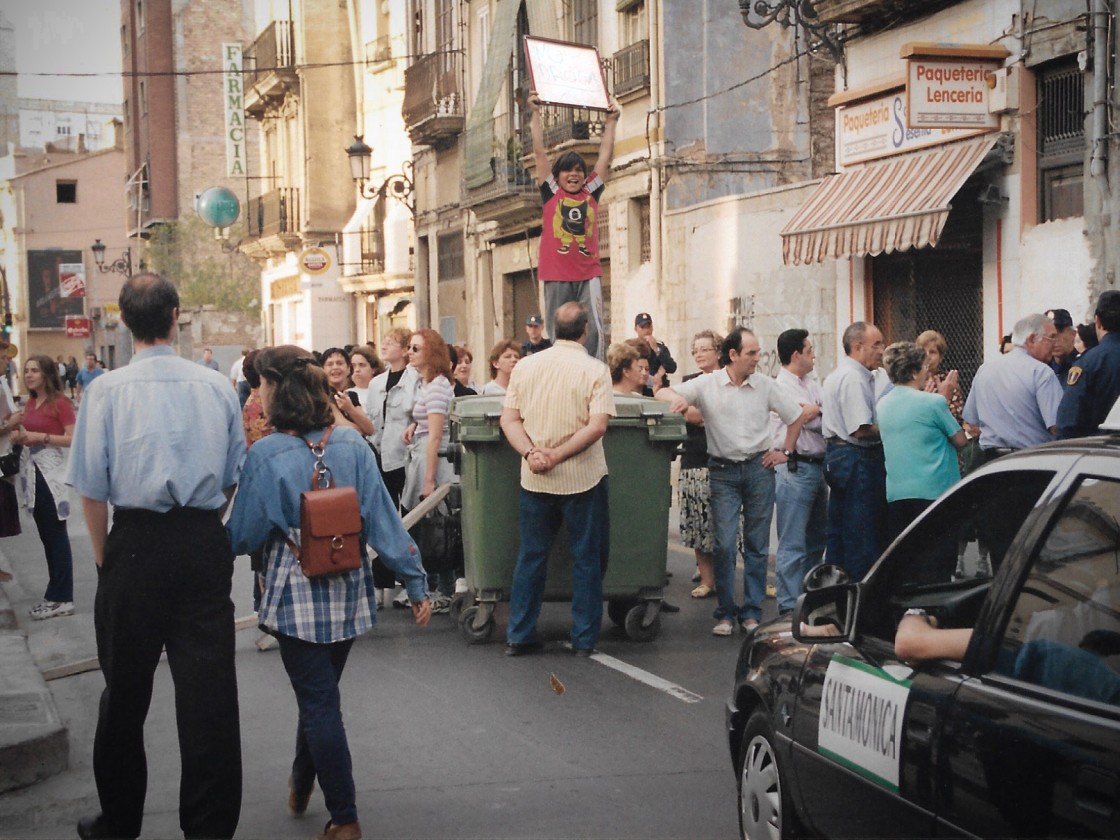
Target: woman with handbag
{"points": [[45, 432], [316, 619]]}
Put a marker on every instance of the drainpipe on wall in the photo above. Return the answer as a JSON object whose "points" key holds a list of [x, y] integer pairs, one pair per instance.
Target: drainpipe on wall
{"points": [[657, 146], [1098, 162]]}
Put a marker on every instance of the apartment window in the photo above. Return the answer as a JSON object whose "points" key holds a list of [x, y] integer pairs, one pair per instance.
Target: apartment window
{"points": [[633, 25], [62, 130], [450, 247], [66, 192], [585, 22], [645, 251], [1061, 142], [445, 32], [139, 15], [143, 97]]}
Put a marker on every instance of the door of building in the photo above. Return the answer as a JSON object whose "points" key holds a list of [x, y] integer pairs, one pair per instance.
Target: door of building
{"points": [[938, 288]]}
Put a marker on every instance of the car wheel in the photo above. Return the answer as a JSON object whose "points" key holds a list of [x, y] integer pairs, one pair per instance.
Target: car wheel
{"points": [[763, 801]]}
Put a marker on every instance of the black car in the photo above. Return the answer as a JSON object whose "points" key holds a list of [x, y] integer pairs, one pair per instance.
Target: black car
{"points": [[837, 736]]}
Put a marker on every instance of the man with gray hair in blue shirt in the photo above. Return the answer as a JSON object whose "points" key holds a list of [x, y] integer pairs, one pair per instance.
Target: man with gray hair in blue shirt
{"points": [[161, 440], [1015, 396]]}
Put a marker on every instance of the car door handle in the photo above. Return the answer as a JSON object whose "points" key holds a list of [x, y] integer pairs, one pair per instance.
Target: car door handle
{"points": [[1097, 792]]}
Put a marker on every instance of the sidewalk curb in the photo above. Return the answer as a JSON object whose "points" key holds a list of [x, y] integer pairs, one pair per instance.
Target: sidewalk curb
{"points": [[34, 743]]}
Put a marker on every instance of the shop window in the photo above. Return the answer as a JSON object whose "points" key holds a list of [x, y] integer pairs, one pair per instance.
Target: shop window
{"points": [[66, 192], [1061, 142]]}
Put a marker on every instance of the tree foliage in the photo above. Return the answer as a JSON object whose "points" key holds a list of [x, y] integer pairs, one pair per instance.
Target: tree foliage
{"points": [[187, 253]]}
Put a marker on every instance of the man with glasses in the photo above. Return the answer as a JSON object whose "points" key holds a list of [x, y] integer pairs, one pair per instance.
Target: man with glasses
{"points": [[1014, 398]]}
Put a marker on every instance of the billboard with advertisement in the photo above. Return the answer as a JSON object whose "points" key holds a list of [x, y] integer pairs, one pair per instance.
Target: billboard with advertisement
{"points": [[55, 288]]}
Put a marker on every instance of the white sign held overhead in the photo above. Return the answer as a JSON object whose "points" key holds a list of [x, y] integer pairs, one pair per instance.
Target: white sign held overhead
{"points": [[569, 74]]}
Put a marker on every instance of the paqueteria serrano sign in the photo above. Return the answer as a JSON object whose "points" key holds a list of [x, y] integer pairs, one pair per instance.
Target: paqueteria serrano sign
{"points": [[861, 717]]}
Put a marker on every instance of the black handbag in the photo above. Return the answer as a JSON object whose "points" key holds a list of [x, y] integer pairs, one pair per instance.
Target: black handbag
{"points": [[9, 464]]}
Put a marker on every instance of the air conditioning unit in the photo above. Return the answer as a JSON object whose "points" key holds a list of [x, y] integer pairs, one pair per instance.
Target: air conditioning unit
{"points": [[1003, 90]]}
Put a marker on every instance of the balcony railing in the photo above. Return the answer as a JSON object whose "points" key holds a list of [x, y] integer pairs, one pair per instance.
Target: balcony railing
{"points": [[564, 127], [274, 213], [273, 51], [631, 68], [511, 198], [373, 248], [433, 98]]}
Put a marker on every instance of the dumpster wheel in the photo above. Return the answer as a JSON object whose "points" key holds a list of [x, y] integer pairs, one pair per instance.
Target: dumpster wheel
{"points": [[617, 610], [643, 622], [459, 602], [477, 624]]}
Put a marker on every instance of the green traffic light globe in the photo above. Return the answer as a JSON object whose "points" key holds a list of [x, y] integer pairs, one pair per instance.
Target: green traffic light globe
{"points": [[218, 207]]}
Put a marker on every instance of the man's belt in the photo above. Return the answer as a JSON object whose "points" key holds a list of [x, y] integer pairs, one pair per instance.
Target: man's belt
{"points": [[839, 441], [727, 462], [808, 459]]}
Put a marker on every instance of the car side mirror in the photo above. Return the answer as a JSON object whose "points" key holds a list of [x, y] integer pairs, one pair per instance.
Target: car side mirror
{"points": [[827, 614], [826, 574]]}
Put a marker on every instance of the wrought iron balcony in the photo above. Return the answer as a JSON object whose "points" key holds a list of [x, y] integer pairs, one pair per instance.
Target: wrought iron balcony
{"points": [[631, 68], [433, 109], [271, 63], [274, 213], [511, 198]]}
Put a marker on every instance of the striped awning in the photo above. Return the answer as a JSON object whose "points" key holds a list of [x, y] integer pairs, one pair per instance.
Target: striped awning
{"points": [[882, 207]]}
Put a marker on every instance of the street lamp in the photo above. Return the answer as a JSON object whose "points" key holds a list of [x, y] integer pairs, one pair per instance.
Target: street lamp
{"points": [[398, 185], [121, 265]]}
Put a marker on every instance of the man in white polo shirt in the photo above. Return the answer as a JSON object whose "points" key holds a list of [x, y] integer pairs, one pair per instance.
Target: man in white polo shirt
{"points": [[555, 414], [736, 402]]}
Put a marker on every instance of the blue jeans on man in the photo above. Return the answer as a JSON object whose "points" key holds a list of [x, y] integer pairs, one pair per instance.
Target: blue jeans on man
{"points": [[744, 486], [588, 519], [801, 499], [857, 481]]}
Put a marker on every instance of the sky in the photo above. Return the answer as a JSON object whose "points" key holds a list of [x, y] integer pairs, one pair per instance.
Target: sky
{"points": [[58, 37]]}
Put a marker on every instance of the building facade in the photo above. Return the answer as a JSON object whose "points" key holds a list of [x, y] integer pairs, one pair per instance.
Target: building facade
{"points": [[335, 257], [973, 167], [54, 204], [184, 133]]}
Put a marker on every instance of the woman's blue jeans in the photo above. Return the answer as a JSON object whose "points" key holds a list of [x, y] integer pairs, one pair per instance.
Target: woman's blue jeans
{"points": [[321, 747]]}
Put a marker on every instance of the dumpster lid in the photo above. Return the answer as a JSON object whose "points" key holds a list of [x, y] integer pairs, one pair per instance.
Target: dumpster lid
{"points": [[476, 409], [645, 408]]}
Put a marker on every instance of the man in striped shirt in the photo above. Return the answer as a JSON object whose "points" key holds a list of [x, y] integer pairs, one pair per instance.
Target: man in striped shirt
{"points": [[555, 414]]}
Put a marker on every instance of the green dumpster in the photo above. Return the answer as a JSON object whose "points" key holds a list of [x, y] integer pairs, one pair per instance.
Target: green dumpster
{"points": [[640, 445]]}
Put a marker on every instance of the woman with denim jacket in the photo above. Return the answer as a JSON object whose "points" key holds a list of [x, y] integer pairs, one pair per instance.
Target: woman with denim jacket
{"points": [[316, 620]]}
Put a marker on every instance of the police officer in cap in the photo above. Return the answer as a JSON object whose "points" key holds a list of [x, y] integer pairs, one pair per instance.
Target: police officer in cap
{"points": [[1065, 354], [1093, 382], [534, 327]]}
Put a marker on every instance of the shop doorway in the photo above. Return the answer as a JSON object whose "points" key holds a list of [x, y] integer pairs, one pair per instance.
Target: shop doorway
{"points": [[938, 288]]}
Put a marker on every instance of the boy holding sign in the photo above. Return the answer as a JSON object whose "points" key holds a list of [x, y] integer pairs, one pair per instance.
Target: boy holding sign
{"points": [[569, 257]]}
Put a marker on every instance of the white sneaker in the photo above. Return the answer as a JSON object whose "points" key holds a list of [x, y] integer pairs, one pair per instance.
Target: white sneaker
{"points": [[50, 609], [723, 627], [441, 604], [460, 585], [401, 601]]}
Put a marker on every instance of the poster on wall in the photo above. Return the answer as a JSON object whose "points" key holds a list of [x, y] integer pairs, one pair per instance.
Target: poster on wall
{"points": [[47, 274]]}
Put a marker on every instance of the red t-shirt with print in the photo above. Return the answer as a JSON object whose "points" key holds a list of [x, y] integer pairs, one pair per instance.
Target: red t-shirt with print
{"points": [[570, 231]]}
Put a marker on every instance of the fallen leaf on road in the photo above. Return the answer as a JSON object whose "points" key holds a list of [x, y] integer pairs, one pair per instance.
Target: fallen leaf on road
{"points": [[555, 684]]}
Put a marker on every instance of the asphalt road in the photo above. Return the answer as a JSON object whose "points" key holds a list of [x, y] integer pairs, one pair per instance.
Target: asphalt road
{"points": [[448, 739]]}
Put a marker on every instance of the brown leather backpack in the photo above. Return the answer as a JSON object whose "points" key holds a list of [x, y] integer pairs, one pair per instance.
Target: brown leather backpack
{"points": [[330, 522]]}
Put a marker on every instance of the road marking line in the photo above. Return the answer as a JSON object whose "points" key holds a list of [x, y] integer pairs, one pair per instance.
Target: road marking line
{"points": [[652, 680]]}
